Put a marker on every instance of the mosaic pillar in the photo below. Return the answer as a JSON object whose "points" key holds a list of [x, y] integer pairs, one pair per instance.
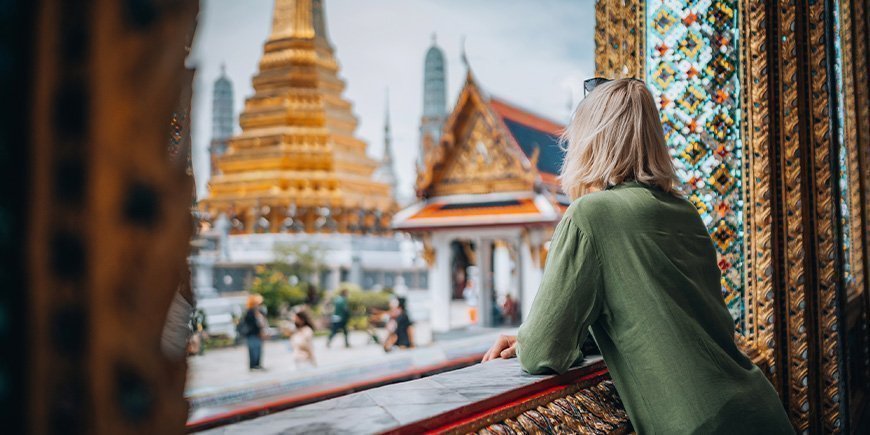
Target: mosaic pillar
{"points": [[762, 111]]}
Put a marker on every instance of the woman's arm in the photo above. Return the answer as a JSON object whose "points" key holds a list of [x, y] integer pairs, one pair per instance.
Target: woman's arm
{"points": [[568, 301]]}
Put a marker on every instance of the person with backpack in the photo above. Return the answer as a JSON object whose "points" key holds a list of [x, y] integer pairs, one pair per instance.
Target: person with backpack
{"points": [[252, 327]]}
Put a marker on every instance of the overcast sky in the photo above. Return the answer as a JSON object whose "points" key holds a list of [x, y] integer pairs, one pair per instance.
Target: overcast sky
{"points": [[534, 53]]}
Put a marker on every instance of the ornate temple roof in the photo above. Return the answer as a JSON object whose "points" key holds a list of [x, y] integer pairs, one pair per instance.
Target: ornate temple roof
{"points": [[534, 134], [496, 164]]}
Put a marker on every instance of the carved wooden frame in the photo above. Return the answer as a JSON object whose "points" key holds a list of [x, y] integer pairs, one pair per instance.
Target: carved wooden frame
{"points": [[111, 225]]}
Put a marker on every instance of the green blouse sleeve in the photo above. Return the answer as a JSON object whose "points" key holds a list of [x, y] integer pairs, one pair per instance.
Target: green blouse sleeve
{"points": [[567, 302]]}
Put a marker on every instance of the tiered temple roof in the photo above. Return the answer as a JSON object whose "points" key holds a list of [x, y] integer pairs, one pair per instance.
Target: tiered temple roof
{"points": [[496, 164], [297, 165]]}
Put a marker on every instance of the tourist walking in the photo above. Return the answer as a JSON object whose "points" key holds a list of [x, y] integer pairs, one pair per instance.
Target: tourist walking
{"points": [[339, 318], [252, 327], [400, 327], [633, 260], [302, 339]]}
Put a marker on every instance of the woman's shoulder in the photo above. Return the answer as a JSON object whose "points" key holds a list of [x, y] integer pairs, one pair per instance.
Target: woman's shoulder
{"points": [[592, 207]]}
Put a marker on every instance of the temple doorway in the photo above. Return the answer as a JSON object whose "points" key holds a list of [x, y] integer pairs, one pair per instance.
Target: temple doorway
{"points": [[485, 281]]}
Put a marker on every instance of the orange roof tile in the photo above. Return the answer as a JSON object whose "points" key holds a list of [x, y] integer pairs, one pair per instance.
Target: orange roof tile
{"points": [[442, 210]]}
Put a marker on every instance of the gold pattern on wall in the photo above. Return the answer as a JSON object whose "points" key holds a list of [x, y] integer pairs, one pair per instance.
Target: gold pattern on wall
{"points": [[794, 328], [595, 410], [619, 38], [862, 144], [862, 147], [760, 339], [850, 132], [826, 232], [795, 294]]}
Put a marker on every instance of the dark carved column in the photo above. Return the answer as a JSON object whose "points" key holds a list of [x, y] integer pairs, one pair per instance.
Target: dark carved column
{"points": [[110, 224]]}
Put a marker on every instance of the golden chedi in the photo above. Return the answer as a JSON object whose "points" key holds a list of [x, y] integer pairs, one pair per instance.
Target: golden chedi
{"points": [[297, 166]]}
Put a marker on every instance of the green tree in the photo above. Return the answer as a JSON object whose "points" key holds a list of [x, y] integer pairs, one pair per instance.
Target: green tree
{"points": [[285, 281], [361, 303]]}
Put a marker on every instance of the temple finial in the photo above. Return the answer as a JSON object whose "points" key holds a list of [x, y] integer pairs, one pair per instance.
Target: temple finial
{"points": [[299, 19], [463, 55], [434, 38], [387, 109]]}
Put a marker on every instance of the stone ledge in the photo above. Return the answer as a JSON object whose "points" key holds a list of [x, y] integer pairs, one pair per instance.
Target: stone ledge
{"points": [[468, 399]]}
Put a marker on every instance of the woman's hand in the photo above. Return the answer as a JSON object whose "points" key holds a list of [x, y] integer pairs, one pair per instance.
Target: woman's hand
{"points": [[505, 347]]}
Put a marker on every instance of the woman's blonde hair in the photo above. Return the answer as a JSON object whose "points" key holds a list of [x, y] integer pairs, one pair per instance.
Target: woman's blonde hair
{"points": [[615, 135]]}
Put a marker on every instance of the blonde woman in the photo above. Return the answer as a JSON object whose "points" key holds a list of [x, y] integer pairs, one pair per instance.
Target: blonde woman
{"points": [[632, 259]]}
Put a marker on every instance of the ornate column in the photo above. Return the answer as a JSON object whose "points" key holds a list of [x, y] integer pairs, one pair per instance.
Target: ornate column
{"points": [[110, 225], [785, 195]]}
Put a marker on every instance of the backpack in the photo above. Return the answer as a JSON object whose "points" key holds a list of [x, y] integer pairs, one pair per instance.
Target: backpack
{"points": [[242, 328]]}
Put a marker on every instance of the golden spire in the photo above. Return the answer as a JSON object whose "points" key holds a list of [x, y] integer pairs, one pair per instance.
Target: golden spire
{"points": [[298, 19], [297, 156]]}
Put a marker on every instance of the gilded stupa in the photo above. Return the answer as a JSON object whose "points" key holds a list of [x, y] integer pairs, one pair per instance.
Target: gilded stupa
{"points": [[296, 166]]}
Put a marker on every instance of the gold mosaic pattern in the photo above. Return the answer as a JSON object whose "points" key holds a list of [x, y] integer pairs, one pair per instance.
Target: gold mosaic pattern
{"points": [[595, 410]]}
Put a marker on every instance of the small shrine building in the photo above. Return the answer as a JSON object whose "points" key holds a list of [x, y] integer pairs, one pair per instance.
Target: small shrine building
{"points": [[488, 202]]}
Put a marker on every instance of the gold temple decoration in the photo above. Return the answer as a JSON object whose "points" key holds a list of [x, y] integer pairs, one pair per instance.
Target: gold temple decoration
{"points": [[474, 156], [593, 410], [805, 303], [760, 339], [428, 250], [297, 156], [619, 38]]}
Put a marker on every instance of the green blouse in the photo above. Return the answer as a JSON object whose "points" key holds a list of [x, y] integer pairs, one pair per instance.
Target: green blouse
{"points": [[637, 267]]}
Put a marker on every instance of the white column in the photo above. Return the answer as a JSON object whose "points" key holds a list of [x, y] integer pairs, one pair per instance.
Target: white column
{"points": [[501, 269], [484, 263], [203, 273], [530, 272], [439, 285], [334, 278]]}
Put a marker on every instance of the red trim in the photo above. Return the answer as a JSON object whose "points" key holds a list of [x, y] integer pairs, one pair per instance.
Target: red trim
{"points": [[287, 402], [523, 207], [529, 224], [525, 117], [477, 411]]}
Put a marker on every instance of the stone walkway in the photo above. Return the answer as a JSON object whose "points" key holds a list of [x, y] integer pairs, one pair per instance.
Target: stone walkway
{"points": [[221, 369], [220, 381]]}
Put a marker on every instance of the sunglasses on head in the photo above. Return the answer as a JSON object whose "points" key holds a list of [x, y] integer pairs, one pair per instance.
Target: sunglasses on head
{"points": [[590, 84]]}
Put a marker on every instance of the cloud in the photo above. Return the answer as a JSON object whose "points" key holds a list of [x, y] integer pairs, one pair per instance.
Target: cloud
{"points": [[533, 53]]}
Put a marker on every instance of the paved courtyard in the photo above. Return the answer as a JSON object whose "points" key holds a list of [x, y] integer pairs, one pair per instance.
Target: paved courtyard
{"points": [[220, 381], [226, 368]]}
